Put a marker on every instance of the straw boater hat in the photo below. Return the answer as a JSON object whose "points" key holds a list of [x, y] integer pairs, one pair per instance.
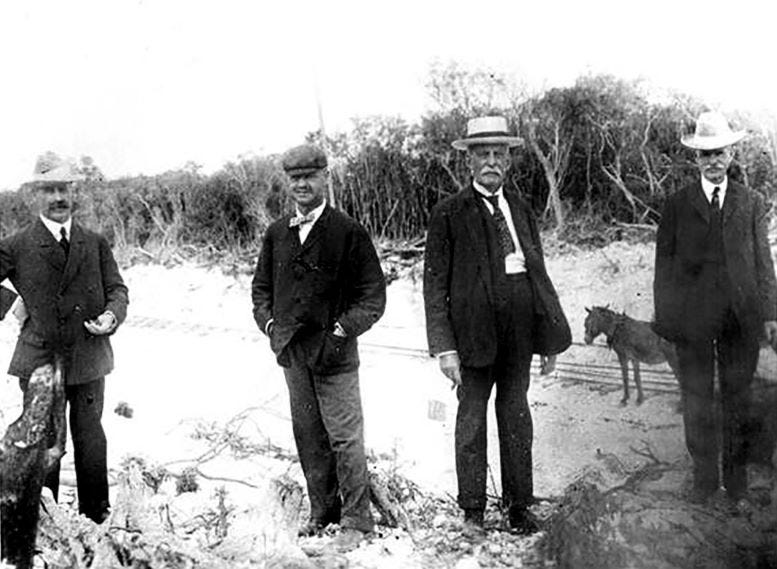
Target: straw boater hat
{"points": [[486, 130], [52, 169], [712, 132]]}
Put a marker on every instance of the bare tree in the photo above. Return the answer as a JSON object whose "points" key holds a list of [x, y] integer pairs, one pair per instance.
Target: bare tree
{"points": [[552, 149]]}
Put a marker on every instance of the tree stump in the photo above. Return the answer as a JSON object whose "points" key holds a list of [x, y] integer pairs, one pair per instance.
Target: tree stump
{"points": [[31, 446]]}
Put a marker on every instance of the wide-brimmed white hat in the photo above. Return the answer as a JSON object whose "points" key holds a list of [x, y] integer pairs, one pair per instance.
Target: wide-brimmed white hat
{"points": [[712, 132], [51, 169], [486, 130]]}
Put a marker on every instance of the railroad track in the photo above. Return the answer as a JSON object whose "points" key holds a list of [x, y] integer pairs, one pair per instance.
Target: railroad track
{"points": [[656, 380]]}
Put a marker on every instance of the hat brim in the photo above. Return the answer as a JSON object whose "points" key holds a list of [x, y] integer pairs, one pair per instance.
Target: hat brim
{"points": [[464, 143], [711, 142], [61, 175], [303, 171]]}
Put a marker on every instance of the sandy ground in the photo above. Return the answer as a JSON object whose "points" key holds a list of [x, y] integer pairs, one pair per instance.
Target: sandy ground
{"points": [[190, 354]]}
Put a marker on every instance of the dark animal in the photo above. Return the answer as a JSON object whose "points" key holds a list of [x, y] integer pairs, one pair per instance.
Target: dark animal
{"points": [[31, 448], [633, 341]]}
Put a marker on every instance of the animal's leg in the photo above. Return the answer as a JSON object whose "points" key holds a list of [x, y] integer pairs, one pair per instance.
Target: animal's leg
{"points": [[624, 361], [638, 381]]}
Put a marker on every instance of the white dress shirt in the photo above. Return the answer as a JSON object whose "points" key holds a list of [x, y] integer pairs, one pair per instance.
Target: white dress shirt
{"points": [[56, 228], [304, 228], [514, 262], [708, 187]]}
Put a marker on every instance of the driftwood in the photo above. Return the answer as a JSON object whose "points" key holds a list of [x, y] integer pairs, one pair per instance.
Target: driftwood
{"points": [[643, 520], [31, 447], [386, 502], [151, 525]]}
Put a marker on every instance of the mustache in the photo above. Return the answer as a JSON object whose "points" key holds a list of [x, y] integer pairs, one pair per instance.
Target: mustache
{"points": [[60, 204]]}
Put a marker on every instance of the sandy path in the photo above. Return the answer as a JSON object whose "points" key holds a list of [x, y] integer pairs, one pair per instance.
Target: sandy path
{"points": [[190, 352]]}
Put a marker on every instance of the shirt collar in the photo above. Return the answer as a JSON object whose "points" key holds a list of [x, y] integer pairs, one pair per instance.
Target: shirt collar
{"points": [[316, 212], [708, 188], [484, 192], [55, 227]]}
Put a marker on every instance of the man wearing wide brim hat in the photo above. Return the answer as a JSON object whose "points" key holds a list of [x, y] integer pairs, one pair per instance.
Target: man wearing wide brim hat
{"points": [[74, 299], [715, 297], [484, 283]]}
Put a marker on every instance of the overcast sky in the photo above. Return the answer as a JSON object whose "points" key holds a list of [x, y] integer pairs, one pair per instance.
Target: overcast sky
{"points": [[145, 86]]}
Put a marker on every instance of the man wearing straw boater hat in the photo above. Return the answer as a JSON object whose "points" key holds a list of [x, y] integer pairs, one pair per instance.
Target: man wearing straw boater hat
{"points": [[716, 297], [318, 285], [489, 306], [74, 298]]}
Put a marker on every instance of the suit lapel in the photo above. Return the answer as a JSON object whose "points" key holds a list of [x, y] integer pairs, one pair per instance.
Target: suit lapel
{"points": [[476, 231], [76, 254], [732, 202], [290, 236], [521, 228], [48, 246], [699, 201]]}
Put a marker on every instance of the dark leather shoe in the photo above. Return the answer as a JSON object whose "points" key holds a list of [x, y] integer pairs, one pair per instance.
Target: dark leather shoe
{"points": [[523, 522], [473, 526]]}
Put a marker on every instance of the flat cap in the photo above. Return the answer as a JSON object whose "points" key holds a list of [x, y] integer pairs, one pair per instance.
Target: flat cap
{"points": [[304, 159]]}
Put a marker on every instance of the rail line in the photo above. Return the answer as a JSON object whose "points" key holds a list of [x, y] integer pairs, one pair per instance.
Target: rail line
{"points": [[567, 371]]}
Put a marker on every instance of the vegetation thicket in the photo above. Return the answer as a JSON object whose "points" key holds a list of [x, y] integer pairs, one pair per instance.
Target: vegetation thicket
{"points": [[598, 155]]}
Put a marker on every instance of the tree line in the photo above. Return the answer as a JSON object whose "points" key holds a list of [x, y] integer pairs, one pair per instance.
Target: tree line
{"points": [[599, 152]]}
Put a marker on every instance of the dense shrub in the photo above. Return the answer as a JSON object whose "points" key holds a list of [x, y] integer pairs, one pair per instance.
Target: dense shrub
{"points": [[595, 153]]}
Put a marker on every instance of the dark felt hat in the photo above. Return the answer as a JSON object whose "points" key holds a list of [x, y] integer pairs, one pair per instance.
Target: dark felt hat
{"points": [[304, 159]]}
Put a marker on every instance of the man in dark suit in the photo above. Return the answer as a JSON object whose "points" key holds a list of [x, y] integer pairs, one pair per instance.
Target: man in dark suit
{"points": [[486, 292], [74, 299], [319, 285], [715, 297]]}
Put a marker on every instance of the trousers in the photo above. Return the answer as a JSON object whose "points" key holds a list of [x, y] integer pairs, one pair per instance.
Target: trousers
{"points": [[737, 357], [510, 374], [90, 448], [328, 425]]}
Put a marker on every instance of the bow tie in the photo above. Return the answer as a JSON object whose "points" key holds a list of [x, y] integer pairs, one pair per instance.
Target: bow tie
{"points": [[302, 219]]}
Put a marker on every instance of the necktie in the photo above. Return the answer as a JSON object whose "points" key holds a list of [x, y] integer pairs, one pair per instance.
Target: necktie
{"points": [[300, 219], [63, 242], [715, 203], [505, 239]]}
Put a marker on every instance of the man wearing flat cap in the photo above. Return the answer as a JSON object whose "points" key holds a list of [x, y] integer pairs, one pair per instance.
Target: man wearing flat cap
{"points": [[74, 298], [489, 306], [318, 286], [716, 297]]}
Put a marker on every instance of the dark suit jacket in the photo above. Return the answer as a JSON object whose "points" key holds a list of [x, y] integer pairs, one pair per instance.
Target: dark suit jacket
{"points": [[7, 298], [458, 280], [335, 276], [681, 277], [60, 297]]}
